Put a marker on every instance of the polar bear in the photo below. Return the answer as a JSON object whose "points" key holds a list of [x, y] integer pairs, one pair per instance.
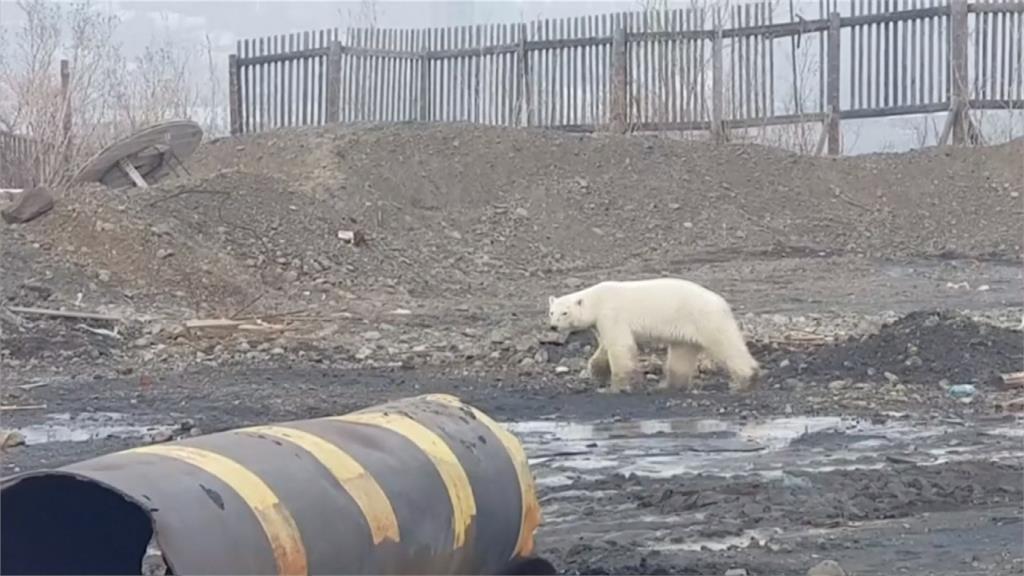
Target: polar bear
{"points": [[683, 315]]}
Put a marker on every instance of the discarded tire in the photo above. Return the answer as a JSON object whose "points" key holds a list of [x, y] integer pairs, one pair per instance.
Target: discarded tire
{"points": [[424, 485]]}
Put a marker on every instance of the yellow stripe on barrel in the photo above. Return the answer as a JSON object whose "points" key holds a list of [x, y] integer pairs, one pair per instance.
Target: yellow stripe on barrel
{"points": [[359, 484], [531, 515], [433, 446], [277, 522]]}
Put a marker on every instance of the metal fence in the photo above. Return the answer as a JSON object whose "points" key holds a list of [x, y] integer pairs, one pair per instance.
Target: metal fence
{"points": [[714, 69]]}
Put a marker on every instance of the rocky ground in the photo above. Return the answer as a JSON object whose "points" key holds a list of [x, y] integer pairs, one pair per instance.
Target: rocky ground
{"points": [[349, 266]]}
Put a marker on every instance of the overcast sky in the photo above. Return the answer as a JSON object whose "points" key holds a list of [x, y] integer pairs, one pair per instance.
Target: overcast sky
{"points": [[224, 22]]}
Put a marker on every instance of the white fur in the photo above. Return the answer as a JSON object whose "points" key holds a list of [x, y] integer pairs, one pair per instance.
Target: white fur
{"points": [[680, 314]]}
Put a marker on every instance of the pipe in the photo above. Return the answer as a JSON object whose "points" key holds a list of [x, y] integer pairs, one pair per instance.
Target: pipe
{"points": [[422, 485]]}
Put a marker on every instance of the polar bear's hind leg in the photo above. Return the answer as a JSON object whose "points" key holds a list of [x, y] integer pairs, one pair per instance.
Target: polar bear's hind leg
{"points": [[680, 365], [729, 351]]}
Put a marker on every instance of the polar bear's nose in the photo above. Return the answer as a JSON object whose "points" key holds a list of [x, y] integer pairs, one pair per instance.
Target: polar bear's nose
{"points": [[553, 328]]}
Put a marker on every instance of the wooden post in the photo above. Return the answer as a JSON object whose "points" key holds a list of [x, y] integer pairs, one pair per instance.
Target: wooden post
{"points": [[959, 94], [523, 116], [65, 96], [234, 96], [833, 84], [423, 95], [620, 89], [717, 80], [333, 115]]}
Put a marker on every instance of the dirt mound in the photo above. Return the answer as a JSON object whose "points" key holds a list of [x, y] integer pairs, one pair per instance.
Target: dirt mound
{"points": [[452, 210], [922, 348]]}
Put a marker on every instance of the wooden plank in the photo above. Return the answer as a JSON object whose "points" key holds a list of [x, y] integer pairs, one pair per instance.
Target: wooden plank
{"points": [[279, 85], [443, 78], [959, 94], [298, 53], [258, 87], [822, 70], [717, 88], [834, 65], [477, 34], [878, 73], [387, 85], [301, 81], [1017, 70], [903, 39], [619, 96], [748, 65], [334, 83], [52, 313], [234, 96], [770, 108], [997, 7], [883, 112]]}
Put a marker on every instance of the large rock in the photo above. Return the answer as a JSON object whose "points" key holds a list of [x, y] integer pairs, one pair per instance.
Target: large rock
{"points": [[31, 204]]}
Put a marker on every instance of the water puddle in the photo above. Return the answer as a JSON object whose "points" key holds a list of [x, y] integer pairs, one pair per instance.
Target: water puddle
{"points": [[64, 427], [562, 453]]}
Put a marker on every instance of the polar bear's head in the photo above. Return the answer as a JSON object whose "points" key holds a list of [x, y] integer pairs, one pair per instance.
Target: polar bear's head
{"points": [[569, 312]]}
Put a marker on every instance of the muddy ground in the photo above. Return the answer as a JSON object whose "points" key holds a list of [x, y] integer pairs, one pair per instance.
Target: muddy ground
{"points": [[847, 452], [867, 288]]}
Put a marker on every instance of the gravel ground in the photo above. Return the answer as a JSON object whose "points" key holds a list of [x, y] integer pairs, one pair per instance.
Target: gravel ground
{"points": [[867, 287]]}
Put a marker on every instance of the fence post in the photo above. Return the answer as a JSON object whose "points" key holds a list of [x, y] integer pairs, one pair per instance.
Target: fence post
{"points": [[717, 84], [834, 144], [65, 96], [619, 100], [424, 92], [334, 83], [234, 96], [959, 95], [522, 89]]}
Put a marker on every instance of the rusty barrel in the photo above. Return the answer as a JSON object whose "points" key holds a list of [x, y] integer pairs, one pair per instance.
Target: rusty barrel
{"points": [[422, 485]]}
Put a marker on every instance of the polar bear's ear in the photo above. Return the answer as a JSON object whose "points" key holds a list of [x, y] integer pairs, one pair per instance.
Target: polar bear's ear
{"points": [[551, 300]]}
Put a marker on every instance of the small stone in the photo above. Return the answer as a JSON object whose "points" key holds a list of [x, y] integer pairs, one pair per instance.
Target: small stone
{"points": [[160, 436], [541, 357], [573, 282], [290, 276], [277, 351], [837, 385], [103, 275], [371, 335], [164, 253], [890, 377], [784, 363], [827, 568], [736, 572], [687, 224], [363, 353], [522, 213], [913, 361], [561, 369]]}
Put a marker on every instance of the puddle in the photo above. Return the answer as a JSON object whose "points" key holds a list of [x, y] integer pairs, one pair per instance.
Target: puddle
{"points": [[562, 453], [64, 427]]}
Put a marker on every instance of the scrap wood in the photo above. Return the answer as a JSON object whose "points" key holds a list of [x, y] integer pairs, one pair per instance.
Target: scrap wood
{"points": [[224, 325], [14, 408], [1012, 380], [1015, 405], [64, 313]]}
